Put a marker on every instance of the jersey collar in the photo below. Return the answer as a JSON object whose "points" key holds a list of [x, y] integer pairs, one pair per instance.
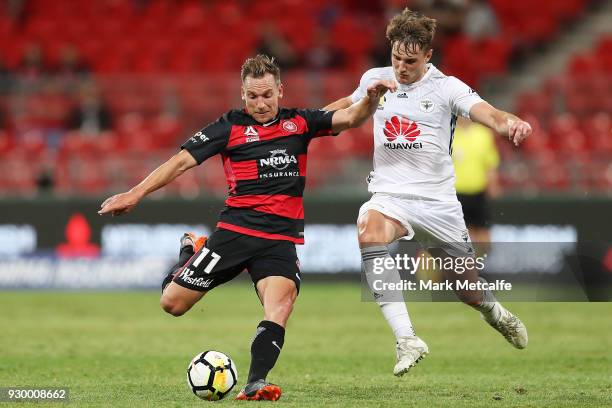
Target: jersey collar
{"points": [[249, 120], [273, 121]]}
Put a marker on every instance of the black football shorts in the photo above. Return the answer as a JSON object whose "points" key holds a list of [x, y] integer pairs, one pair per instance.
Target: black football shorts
{"points": [[475, 209], [226, 254]]}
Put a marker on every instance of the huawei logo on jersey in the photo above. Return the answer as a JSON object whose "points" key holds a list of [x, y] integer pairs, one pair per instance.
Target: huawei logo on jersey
{"points": [[401, 127], [398, 128]]}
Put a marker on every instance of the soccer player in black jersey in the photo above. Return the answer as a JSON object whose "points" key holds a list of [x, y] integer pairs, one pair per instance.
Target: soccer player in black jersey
{"points": [[264, 151]]}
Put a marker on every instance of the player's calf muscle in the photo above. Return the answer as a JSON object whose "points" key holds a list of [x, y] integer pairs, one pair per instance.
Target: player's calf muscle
{"points": [[279, 312], [469, 297]]}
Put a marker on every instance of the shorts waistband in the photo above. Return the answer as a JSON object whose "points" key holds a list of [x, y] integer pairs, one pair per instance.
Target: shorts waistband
{"points": [[408, 196]]}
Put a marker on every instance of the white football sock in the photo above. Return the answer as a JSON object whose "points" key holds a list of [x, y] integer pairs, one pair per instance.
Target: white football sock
{"points": [[391, 303], [490, 308], [397, 316]]}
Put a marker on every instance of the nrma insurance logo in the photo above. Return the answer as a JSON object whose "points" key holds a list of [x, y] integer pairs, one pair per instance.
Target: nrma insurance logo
{"points": [[402, 133], [279, 161]]}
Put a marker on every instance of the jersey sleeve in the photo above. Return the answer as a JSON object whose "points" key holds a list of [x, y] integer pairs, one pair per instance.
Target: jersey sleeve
{"points": [[361, 90], [209, 141], [319, 122], [460, 97]]}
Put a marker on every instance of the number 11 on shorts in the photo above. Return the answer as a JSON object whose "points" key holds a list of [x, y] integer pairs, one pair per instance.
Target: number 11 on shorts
{"points": [[215, 258]]}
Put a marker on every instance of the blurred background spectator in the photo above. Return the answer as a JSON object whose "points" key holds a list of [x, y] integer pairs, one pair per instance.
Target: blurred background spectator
{"points": [[32, 64], [90, 114], [5, 77], [324, 54], [480, 20], [273, 43]]}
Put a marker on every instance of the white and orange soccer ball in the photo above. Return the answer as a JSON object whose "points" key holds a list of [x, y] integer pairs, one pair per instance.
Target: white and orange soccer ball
{"points": [[211, 375]]}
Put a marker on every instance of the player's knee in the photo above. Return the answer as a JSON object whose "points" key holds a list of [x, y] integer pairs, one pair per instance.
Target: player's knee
{"points": [[173, 306], [369, 232], [370, 236]]}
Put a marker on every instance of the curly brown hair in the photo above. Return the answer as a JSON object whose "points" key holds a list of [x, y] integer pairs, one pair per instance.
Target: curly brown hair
{"points": [[259, 66], [412, 30]]}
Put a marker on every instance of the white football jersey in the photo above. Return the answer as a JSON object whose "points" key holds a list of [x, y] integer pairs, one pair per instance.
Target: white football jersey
{"points": [[413, 133]]}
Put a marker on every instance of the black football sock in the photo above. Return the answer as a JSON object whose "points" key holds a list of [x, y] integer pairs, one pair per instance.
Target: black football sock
{"points": [[265, 349], [185, 254]]}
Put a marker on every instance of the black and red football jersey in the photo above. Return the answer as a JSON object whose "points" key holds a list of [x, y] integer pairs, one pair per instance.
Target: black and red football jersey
{"points": [[265, 168]]}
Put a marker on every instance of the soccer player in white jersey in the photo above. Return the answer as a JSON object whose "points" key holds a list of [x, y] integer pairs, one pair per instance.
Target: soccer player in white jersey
{"points": [[413, 178]]}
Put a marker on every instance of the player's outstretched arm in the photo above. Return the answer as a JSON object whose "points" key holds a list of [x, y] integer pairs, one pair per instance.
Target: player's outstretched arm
{"points": [[356, 114], [164, 174], [504, 123], [341, 103]]}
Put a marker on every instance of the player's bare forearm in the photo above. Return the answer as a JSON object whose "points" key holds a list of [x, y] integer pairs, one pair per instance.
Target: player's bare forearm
{"points": [[356, 114], [500, 121], [359, 112], [341, 103], [504, 123], [164, 174]]}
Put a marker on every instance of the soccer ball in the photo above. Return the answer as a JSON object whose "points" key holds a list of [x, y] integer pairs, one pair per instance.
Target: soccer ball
{"points": [[211, 375]]}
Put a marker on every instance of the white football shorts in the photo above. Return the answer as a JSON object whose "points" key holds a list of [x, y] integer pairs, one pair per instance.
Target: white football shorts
{"points": [[432, 223]]}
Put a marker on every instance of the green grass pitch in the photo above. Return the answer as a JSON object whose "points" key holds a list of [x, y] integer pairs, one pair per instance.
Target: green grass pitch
{"points": [[120, 349]]}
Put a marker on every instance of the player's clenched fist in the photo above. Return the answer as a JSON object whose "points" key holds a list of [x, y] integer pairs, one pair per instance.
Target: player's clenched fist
{"points": [[119, 204], [379, 88], [518, 130]]}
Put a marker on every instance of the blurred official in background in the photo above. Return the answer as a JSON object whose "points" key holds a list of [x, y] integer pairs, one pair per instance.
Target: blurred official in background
{"points": [[476, 161]]}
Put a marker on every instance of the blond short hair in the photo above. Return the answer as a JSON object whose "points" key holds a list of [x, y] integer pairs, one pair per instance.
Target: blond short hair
{"points": [[411, 30], [259, 66]]}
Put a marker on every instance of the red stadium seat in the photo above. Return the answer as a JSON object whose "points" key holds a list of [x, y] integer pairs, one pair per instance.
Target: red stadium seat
{"points": [[602, 170], [494, 54], [580, 105], [454, 62], [296, 90], [166, 129], [552, 174], [6, 143], [572, 141], [517, 175], [17, 172], [541, 28], [539, 142], [604, 46], [562, 124], [581, 167], [583, 64], [599, 130], [538, 104]]}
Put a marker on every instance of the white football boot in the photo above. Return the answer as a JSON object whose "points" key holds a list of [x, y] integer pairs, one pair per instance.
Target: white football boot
{"points": [[410, 350], [510, 327]]}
